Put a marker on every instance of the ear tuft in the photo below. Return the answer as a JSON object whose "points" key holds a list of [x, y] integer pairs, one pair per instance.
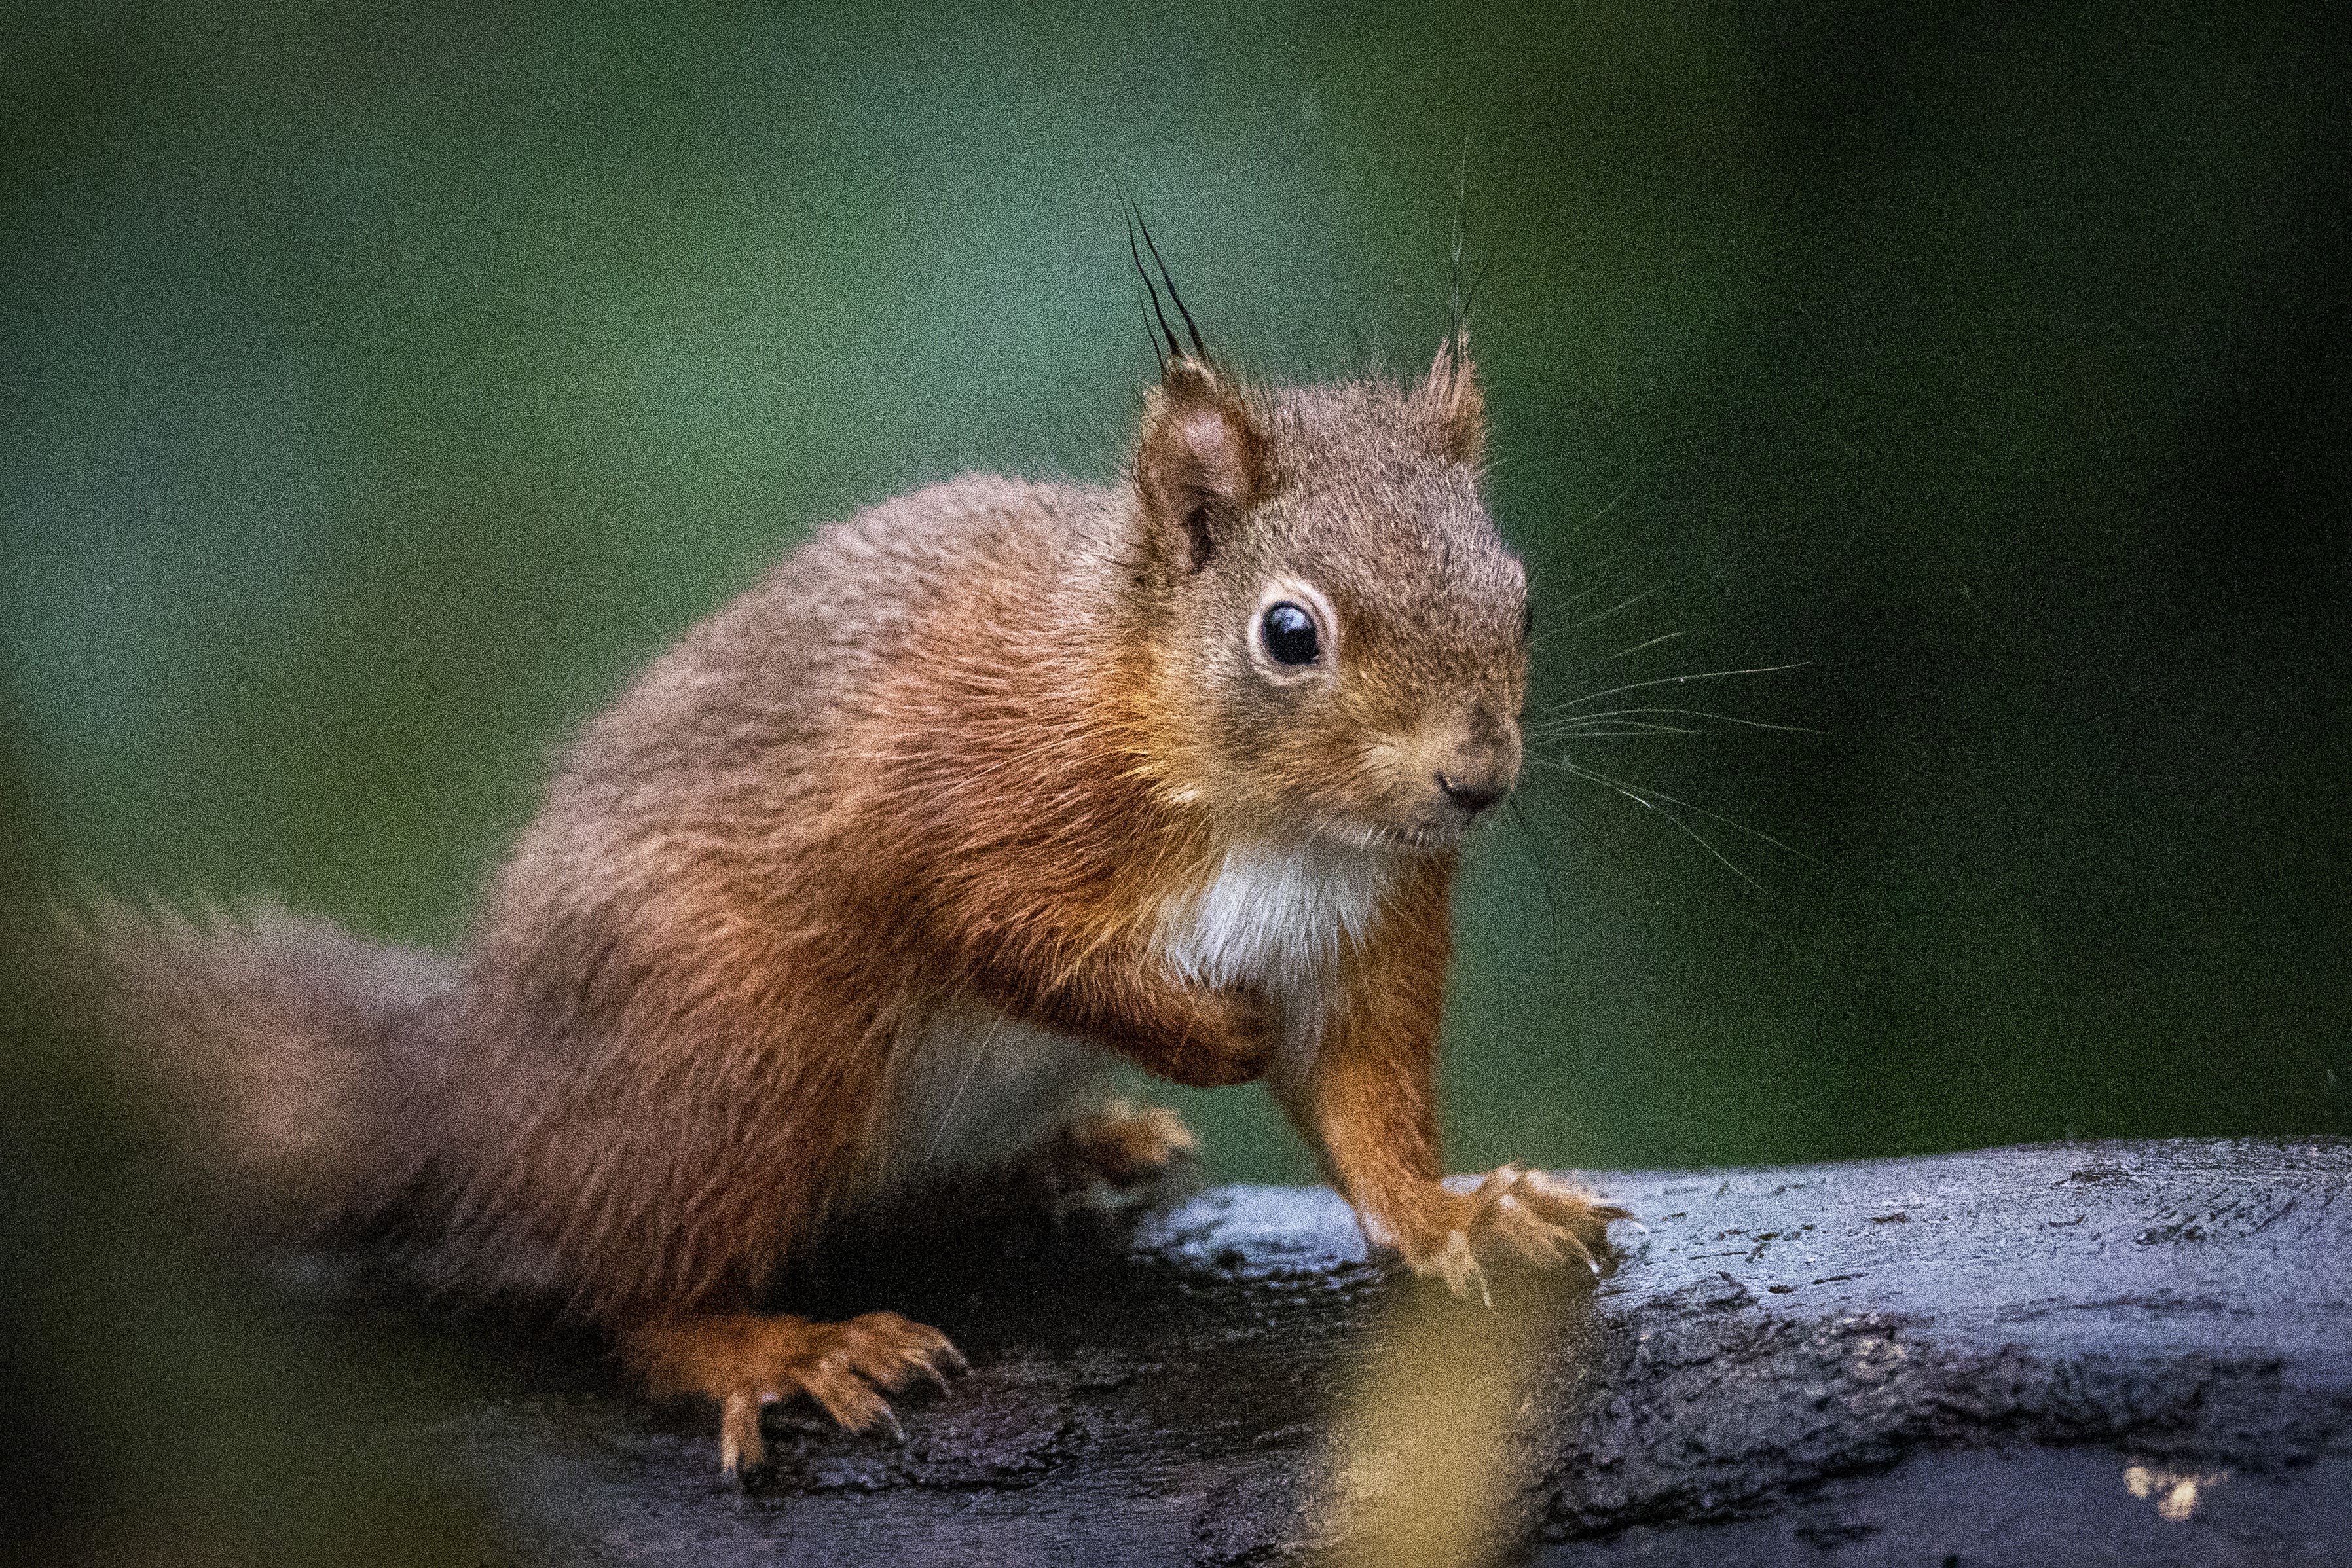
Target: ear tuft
{"points": [[1451, 399], [1201, 463]]}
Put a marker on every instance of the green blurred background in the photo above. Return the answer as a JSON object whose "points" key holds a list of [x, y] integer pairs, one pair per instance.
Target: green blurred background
{"points": [[383, 387]]}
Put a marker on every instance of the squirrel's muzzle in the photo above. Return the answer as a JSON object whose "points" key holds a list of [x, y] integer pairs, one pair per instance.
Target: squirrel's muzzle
{"points": [[1482, 765]]}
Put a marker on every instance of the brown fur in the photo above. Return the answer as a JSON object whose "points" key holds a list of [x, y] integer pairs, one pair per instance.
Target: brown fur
{"points": [[969, 767]]}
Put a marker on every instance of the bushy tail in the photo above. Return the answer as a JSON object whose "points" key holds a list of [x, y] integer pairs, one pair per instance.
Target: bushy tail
{"points": [[295, 1059]]}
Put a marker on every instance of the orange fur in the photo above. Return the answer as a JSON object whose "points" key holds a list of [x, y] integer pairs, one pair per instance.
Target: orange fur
{"points": [[996, 770]]}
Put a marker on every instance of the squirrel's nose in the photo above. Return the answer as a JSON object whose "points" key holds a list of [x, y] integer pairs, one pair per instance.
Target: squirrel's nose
{"points": [[1480, 759], [1473, 795]]}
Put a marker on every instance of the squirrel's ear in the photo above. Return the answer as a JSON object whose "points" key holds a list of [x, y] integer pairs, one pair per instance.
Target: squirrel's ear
{"points": [[1201, 463], [1451, 399]]}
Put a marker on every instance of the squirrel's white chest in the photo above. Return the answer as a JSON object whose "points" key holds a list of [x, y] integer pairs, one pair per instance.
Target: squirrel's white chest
{"points": [[1278, 918]]}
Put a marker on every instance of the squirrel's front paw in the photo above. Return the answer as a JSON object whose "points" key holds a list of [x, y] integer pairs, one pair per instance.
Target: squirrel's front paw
{"points": [[1514, 1216]]}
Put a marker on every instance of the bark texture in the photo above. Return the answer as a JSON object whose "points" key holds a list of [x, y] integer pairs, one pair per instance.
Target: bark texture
{"points": [[2089, 1353]]}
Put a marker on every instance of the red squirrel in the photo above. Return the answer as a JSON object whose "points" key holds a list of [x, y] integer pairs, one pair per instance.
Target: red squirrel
{"points": [[868, 879]]}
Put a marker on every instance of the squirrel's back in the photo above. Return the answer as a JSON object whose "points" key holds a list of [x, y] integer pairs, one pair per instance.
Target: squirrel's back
{"points": [[748, 721]]}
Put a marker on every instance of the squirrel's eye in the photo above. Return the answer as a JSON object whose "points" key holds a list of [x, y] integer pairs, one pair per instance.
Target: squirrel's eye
{"points": [[1290, 634]]}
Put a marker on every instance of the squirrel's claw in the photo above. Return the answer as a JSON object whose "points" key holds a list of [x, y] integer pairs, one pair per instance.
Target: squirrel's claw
{"points": [[745, 1362], [1456, 1265], [1519, 1215]]}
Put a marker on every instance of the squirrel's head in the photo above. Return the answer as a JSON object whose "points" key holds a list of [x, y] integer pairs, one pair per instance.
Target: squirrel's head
{"points": [[1346, 630]]}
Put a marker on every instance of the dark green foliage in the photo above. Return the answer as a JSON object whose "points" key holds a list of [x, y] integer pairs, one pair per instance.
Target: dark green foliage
{"points": [[381, 389]]}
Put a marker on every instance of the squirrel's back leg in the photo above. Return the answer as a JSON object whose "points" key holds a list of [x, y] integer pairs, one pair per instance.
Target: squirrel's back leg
{"points": [[744, 1360]]}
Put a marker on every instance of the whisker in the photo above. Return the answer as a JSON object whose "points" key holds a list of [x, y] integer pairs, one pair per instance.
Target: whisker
{"points": [[1546, 637], [1621, 785], [1730, 718], [1456, 317], [1600, 725], [1677, 680], [1643, 801], [1629, 653], [1603, 577], [1564, 724], [1610, 505], [1564, 796], [1624, 604], [1543, 865]]}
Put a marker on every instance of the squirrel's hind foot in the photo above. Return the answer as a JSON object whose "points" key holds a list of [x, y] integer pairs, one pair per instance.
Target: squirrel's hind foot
{"points": [[745, 1361], [1124, 1145]]}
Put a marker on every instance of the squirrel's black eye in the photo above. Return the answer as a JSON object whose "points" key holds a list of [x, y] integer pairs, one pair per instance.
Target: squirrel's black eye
{"points": [[1290, 634]]}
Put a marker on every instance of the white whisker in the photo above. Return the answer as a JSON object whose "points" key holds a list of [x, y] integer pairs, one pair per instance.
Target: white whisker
{"points": [[1604, 573], [1677, 680], [1642, 800], [1620, 605], [1610, 505], [1605, 724], [1619, 785], [1563, 724], [1629, 653]]}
